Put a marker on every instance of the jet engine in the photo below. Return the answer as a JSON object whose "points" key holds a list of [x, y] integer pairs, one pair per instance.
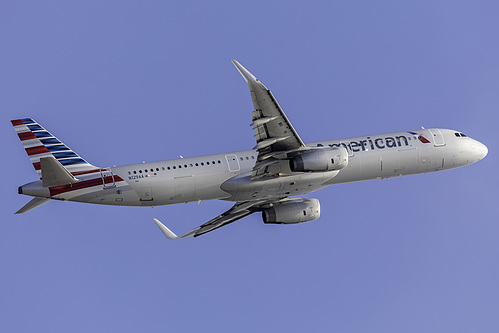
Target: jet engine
{"points": [[320, 160], [292, 211]]}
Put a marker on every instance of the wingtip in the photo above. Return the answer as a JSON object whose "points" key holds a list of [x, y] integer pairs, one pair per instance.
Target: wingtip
{"points": [[248, 77], [236, 63], [167, 232]]}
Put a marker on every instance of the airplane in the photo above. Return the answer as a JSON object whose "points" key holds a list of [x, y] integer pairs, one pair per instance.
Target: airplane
{"points": [[263, 179]]}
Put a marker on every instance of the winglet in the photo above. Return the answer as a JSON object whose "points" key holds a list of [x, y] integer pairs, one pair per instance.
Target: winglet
{"points": [[169, 234], [250, 79]]}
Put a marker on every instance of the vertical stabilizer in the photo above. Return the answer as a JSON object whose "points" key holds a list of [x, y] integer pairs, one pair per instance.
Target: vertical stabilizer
{"points": [[40, 143]]}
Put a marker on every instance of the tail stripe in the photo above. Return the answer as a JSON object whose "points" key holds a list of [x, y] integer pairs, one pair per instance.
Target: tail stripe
{"points": [[38, 142], [26, 136], [27, 121], [43, 134], [64, 154], [36, 150], [57, 148], [50, 141], [17, 122], [73, 161], [35, 128]]}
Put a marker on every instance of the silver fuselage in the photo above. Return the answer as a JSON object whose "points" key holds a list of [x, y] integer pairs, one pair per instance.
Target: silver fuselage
{"points": [[227, 176]]}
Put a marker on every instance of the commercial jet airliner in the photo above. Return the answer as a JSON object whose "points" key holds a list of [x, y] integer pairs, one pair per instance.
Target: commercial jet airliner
{"points": [[264, 179]]}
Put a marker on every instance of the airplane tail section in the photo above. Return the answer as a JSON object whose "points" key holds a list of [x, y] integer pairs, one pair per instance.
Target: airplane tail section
{"points": [[34, 203], [44, 148]]}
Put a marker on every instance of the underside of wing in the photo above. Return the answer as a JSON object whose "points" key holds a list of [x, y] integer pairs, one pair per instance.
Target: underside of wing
{"points": [[236, 212]]}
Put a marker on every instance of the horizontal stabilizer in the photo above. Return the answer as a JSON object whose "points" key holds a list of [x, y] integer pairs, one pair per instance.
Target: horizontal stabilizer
{"points": [[34, 203], [54, 173]]}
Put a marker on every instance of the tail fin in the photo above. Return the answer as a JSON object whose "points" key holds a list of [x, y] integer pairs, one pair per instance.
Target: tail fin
{"points": [[38, 143]]}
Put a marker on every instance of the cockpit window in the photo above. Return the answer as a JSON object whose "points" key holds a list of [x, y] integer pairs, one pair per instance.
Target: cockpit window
{"points": [[460, 135], [457, 134], [463, 135]]}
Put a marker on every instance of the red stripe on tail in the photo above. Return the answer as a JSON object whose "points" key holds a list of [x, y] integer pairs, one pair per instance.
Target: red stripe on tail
{"points": [[26, 136], [37, 150], [17, 122]]}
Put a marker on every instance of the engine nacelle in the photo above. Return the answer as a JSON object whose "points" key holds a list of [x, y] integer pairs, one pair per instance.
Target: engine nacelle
{"points": [[292, 211], [320, 160]]}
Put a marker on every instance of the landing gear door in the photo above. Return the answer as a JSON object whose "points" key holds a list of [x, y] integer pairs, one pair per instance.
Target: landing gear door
{"points": [[107, 179]]}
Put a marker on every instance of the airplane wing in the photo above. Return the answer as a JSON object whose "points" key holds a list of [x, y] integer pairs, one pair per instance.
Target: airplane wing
{"points": [[238, 211], [275, 136]]}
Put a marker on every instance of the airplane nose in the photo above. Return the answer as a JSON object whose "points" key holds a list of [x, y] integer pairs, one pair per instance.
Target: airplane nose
{"points": [[483, 150]]}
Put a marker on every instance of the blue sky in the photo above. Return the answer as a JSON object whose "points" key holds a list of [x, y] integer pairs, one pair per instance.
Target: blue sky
{"points": [[123, 82]]}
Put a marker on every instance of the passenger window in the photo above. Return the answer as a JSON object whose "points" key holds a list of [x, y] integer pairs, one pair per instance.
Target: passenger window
{"points": [[207, 163], [197, 164], [134, 172]]}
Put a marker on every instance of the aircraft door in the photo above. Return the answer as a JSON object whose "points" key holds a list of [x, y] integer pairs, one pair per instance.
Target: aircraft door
{"points": [[438, 138], [233, 162], [107, 179]]}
